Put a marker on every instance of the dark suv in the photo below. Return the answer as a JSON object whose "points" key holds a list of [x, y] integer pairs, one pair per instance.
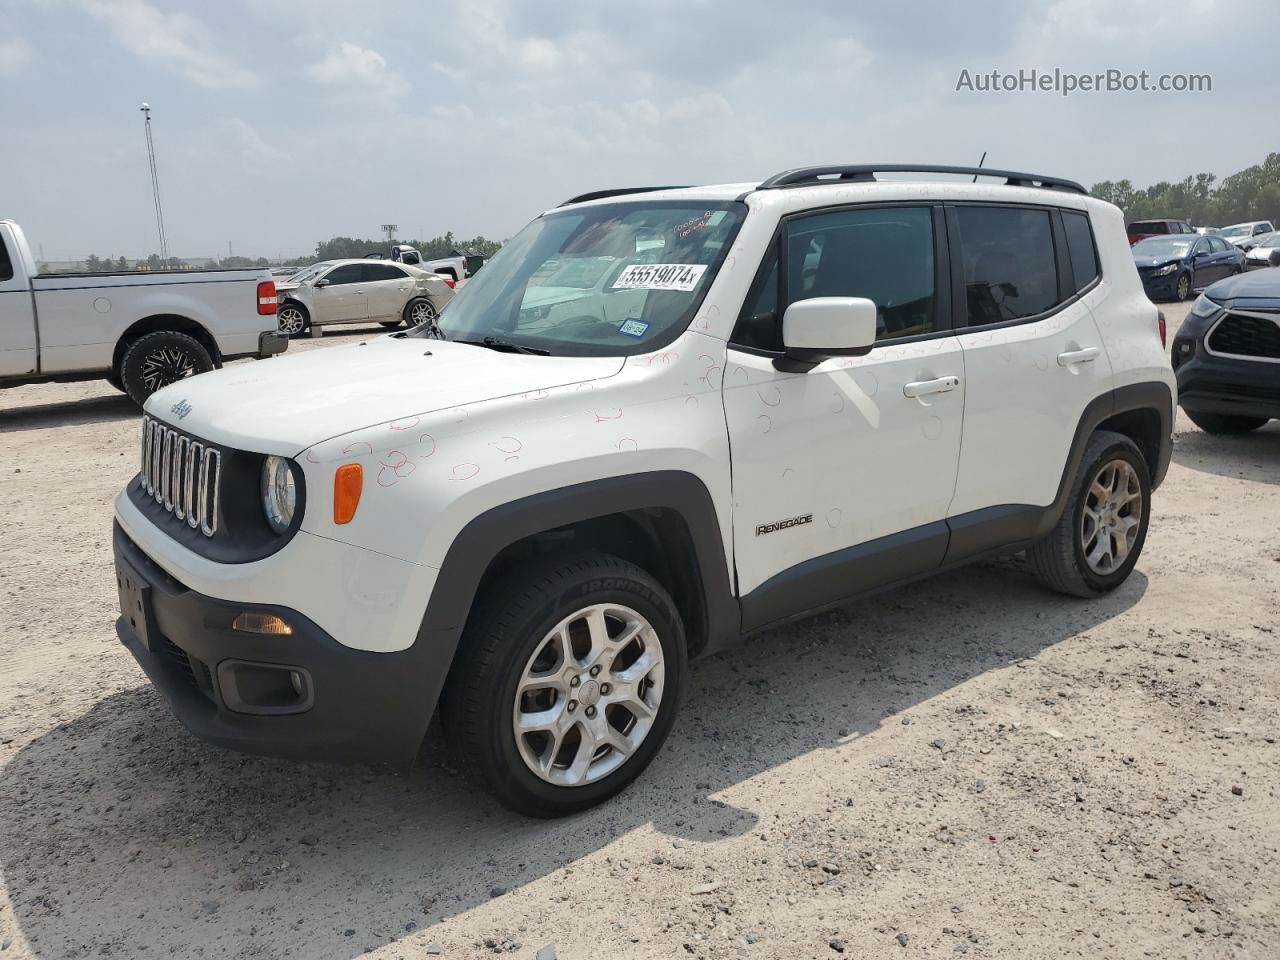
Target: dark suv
{"points": [[1227, 354]]}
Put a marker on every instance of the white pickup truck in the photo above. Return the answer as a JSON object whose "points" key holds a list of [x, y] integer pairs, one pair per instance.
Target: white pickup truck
{"points": [[140, 331]]}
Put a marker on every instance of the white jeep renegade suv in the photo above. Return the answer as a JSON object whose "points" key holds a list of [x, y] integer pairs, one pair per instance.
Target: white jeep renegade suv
{"points": [[657, 420]]}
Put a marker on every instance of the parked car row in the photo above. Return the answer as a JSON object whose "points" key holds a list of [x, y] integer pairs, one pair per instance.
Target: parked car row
{"points": [[360, 291]]}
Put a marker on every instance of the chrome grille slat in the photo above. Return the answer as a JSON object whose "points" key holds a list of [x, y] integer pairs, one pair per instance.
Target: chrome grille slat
{"points": [[182, 475]]}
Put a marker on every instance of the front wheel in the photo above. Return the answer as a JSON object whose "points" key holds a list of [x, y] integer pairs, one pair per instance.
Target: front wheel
{"points": [[158, 359], [566, 685], [292, 318], [1183, 288], [1225, 422], [1100, 535]]}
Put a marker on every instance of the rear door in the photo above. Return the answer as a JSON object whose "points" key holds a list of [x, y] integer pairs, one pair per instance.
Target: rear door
{"points": [[343, 298], [1033, 360], [17, 314], [389, 288]]}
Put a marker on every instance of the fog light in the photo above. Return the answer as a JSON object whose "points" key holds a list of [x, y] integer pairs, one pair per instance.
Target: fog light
{"points": [[267, 623]]}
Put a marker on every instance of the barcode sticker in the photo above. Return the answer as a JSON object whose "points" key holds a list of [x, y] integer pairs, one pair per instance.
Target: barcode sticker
{"points": [[682, 277]]}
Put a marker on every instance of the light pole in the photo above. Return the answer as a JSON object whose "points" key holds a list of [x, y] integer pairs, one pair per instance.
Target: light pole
{"points": [[155, 186]]}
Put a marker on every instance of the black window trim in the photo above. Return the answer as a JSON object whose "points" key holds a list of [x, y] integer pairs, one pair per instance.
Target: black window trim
{"points": [[942, 272], [1060, 253]]}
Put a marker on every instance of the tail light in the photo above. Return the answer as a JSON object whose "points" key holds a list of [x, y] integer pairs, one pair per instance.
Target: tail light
{"points": [[450, 281], [1164, 333], [267, 301]]}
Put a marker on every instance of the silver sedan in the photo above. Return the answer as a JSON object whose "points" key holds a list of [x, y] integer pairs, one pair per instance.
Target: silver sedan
{"points": [[360, 291]]}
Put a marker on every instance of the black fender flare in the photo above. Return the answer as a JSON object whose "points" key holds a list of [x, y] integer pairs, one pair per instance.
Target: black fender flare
{"points": [[488, 534]]}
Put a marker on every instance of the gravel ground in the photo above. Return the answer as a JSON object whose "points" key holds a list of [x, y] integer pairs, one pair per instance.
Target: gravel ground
{"points": [[968, 766]]}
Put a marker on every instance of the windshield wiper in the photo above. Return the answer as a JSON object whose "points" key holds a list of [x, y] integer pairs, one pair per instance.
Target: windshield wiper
{"points": [[507, 346]]}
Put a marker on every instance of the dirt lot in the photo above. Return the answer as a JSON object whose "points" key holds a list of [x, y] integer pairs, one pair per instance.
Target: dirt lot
{"points": [[967, 766]]}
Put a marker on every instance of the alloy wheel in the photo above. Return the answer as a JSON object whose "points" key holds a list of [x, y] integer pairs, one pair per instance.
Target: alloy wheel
{"points": [[1111, 517], [166, 365], [290, 320], [421, 313], [589, 695]]}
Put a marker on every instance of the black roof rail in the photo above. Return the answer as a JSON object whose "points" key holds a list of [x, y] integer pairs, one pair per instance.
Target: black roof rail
{"points": [[618, 192], [866, 173]]}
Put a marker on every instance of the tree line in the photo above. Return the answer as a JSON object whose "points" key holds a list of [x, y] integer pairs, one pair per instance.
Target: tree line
{"points": [[339, 248], [1251, 194]]}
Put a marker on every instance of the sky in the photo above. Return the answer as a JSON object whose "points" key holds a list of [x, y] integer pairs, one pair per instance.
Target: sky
{"points": [[279, 123]]}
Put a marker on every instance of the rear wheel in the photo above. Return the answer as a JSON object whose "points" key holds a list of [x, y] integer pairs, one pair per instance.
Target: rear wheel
{"points": [[566, 683], [418, 311], [158, 359], [1100, 536], [1225, 422]]}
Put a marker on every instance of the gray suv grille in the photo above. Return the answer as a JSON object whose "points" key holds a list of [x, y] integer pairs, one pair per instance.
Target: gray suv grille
{"points": [[181, 474]]}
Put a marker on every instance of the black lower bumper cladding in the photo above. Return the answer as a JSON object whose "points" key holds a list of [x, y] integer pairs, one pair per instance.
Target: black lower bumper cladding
{"points": [[301, 696]]}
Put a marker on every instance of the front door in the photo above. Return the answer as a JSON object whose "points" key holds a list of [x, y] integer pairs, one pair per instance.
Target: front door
{"points": [[842, 475], [17, 316], [343, 298]]}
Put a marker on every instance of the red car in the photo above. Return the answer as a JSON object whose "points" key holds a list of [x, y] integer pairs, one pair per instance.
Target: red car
{"points": [[1141, 229]]}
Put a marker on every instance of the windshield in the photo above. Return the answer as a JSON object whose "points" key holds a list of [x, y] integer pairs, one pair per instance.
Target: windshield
{"points": [[306, 273], [606, 280], [1162, 247], [1236, 230]]}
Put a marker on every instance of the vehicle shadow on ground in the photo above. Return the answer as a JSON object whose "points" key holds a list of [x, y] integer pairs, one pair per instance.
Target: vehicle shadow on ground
{"points": [[120, 833], [1248, 456], [72, 413]]}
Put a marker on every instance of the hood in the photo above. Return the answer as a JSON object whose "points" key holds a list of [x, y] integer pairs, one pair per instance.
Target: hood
{"points": [[286, 404], [1260, 288], [1147, 263]]}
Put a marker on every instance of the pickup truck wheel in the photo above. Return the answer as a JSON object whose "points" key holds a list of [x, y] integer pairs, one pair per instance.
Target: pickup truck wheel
{"points": [[1225, 422], [1097, 541], [292, 318], [566, 683], [419, 311], [158, 359]]}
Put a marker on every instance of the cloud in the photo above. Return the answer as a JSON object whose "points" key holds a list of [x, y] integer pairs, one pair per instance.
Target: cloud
{"points": [[15, 54], [172, 40], [349, 64]]}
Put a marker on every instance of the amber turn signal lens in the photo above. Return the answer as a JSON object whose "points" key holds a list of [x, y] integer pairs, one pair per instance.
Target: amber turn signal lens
{"points": [[267, 623], [347, 484]]}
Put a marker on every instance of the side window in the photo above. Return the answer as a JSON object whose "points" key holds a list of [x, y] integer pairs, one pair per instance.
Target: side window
{"points": [[373, 272], [1260, 228], [1218, 245], [1080, 248], [6, 265], [347, 273], [1010, 267], [1186, 227], [884, 254]]}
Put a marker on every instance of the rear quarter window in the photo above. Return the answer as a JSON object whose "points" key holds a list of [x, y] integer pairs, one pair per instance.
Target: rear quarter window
{"points": [[6, 265], [1080, 248]]}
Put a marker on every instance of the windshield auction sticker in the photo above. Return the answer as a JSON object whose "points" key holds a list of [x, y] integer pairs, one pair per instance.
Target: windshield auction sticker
{"points": [[682, 277]]}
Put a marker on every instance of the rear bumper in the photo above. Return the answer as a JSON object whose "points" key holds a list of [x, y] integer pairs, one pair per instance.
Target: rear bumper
{"points": [[272, 342], [1209, 384], [302, 696]]}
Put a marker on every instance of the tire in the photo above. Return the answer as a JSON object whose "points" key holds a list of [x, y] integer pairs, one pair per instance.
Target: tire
{"points": [[513, 635], [292, 318], [389, 324], [1225, 422], [1067, 560], [113, 378], [418, 311], [1182, 289], [158, 359]]}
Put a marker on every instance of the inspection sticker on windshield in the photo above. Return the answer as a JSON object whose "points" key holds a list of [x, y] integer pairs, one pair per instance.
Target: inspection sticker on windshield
{"points": [[633, 327], [682, 277]]}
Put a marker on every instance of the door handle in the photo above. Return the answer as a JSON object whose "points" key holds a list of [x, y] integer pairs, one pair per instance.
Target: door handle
{"points": [[920, 388], [1077, 356]]}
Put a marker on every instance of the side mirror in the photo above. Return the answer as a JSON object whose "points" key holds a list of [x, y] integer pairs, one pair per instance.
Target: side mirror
{"points": [[821, 327], [322, 283]]}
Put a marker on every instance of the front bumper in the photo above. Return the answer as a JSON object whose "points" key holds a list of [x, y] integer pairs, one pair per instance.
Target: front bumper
{"points": [[1211, 384], [302, 696], [1160, 288], [272, 342]]}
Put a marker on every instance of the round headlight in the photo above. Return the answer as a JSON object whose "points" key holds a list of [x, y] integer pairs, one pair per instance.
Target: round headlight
{"points": [[279, 493]]}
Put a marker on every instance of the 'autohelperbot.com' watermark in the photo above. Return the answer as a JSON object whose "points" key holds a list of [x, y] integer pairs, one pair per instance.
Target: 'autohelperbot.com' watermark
{"points": [[1065, 82]]}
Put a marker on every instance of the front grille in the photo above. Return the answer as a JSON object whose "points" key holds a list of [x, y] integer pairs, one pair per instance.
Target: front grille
{"points": [[1247, 335], [182, 474]]}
